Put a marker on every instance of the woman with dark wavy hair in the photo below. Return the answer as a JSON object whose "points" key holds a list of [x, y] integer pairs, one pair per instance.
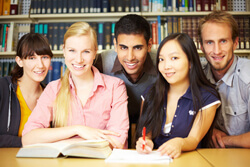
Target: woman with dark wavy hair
{"points": [[20, 91], [180, 107]]}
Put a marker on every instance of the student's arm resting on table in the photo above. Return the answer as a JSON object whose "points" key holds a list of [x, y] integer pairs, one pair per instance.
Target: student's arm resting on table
{"points": [[222, 140], [119, 121], [202, 123]]}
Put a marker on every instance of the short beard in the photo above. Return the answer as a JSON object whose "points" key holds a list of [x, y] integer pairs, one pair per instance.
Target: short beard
{"points": [[223, 68]]}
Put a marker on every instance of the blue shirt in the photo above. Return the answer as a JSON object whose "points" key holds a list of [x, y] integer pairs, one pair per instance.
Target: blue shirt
{"points": [[234, 88], [184, 115]]}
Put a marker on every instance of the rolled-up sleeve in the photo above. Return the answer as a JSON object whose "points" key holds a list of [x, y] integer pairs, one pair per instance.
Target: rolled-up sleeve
{"points": [[119, 120]]}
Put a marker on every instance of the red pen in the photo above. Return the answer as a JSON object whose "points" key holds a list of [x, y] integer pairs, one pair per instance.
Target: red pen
{"points": [[143, 136]]}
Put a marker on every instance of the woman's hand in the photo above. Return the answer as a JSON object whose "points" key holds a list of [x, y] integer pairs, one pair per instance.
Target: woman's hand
{"points": [[149, 145], [93, 133], [172, 148]]}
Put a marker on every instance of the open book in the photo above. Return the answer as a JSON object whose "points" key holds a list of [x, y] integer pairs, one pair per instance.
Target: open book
{"points": [[132, 156], [76, 148]]}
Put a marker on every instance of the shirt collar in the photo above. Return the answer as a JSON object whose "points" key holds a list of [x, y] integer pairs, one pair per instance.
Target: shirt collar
{"points": [[98, 79], [147, 68]]}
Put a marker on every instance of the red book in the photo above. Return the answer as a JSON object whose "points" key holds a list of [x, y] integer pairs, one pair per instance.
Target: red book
{"points": [[198, 5], [14, 7], [154, 35], [205, 5], [223, 5]]}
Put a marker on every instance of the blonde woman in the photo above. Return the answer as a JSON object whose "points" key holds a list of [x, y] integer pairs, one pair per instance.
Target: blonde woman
{"points": [[84, 102]]}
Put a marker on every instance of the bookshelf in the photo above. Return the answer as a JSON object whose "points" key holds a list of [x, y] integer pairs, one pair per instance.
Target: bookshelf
{"points": [[101, 17]]}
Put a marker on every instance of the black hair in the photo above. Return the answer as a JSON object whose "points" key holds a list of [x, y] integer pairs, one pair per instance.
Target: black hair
{"points": [[133, 24], [153, 112]]}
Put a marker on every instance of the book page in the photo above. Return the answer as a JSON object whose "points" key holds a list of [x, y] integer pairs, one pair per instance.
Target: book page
{"points": [[132, 156]]}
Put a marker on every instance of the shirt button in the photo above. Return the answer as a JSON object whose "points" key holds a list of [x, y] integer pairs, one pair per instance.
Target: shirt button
{"points": [[175, 115], [172, 126], [238, 70], [234, 113], [178, 106]]}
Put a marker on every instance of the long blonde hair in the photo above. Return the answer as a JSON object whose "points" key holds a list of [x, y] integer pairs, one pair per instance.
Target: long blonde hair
{"points": [[62, 107]]}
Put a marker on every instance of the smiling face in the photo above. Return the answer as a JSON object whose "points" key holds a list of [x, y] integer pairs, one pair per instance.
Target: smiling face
{"points": [[218, 45], [79, 55], [173, 64], [35, 67], [132, 52]]}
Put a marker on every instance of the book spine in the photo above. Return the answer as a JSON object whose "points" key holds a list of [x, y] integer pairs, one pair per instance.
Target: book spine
{"points": [[10, 37], [43, 7], [1, 9], [49, 7], [70, 6], [119, 6], [107, 33], [154, 35], [99, 6], [112, 35], [54, 4], [198, 5], [38, 7], [91, 6], [65, 6], [105, 6], [6, 7], [61, 27], [190, 5], [55, 36], [159, 29], [137, 6], [87, 10], [247, 31], [14, 7], [132, 6], [4, 36], [100, 36], [145, 5], [45, 29], [223, 5], [77, 6], [170, 25], [59, 6], [169, 6], [56, 70]]}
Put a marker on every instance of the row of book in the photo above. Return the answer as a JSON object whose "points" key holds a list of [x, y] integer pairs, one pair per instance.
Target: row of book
{"points": [[56, 70], [14, 7], [103, 6], [55, 33], [165, 26], [10, 34], [162, 27], [194, 5], [86, 6]]}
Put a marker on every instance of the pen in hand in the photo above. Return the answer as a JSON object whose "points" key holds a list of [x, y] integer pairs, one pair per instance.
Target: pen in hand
{"points": [[143, 136]]}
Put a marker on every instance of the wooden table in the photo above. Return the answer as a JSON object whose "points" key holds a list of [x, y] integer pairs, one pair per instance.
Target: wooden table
{"points": [[226, 157], [8, 159]]}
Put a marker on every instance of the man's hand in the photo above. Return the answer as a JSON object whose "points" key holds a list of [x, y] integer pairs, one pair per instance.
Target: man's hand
{"points": [[217, 139]]}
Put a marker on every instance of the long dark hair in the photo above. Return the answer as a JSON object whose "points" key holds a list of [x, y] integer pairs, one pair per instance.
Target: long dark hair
{"points": [[28, 45], [152, 109]]}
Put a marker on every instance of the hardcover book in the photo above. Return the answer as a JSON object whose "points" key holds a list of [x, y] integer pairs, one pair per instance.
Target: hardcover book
{"points": [[75, 148]]}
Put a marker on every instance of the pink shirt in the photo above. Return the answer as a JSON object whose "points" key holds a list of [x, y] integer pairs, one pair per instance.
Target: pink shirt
{"points": [[106, 107]]}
